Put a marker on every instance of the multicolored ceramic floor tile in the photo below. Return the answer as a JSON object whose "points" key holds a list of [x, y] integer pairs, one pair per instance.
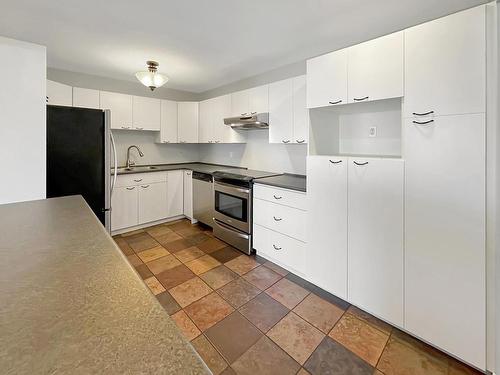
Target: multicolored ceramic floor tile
{"points": [[245, 315]]}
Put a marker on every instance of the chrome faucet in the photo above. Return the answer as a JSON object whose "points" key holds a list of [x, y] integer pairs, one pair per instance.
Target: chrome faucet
{"points": [[129, 162]]}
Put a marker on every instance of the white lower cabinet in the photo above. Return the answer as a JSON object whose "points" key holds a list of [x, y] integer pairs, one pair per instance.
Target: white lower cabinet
{"points": [[143, 198], [445, 233], [375, 236], [152, 202], [175, 193], [188, 194], [327, 223], [124, 207], [281, 249]]}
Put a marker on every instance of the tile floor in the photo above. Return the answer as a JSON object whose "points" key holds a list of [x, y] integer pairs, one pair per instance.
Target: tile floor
{"points": [[244, 315]]}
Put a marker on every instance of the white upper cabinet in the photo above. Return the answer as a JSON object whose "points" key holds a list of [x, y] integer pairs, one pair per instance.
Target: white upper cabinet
{"points": [[251, 101], [121, 109], [327, 223], [375, 236], [59, 94], [445, 68], [300, 111], [375, 69], [205, 134], [146, 113], [281, 111], [327, 79], [86, 98], [168, 128], [288, 115], [187, 113]]}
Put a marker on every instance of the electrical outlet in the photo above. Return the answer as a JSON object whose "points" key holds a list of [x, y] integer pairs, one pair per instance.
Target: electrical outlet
{"points": [[372, 132]]}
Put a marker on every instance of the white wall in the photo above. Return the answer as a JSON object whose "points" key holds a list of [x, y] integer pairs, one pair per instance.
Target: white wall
{"points": [[153, 153], [257, 153], [22, 120]]}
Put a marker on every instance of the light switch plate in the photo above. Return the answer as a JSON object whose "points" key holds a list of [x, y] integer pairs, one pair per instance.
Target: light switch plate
{"points": [[372, 132]]}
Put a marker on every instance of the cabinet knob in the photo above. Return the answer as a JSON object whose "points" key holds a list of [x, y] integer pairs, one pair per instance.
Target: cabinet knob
{"points": [[277, 218], [357, 163], [276, 197], [138, 180], [301, 140], [336, 102], [360, 99], [287, 141], [276, 247], [423, 114]]}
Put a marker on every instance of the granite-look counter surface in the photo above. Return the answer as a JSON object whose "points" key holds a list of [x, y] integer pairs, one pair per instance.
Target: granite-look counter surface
{"points": [[71, 303], [286, 181], [197, 167]]}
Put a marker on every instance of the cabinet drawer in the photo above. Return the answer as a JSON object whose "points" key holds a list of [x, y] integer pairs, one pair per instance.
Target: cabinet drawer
{"points": [[140, 178], [282, 219], [281, 196], [283, 250]]}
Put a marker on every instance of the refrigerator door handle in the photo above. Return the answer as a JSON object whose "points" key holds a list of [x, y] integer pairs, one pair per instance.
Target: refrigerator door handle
{"points": [[115, 162]]}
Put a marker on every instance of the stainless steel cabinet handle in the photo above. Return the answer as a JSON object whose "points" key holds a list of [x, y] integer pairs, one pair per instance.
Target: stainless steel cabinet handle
{"points": [[285, 141], [276, 247], [360, 99], [335, 162], [130, 188], [423, 122], [277, 218], [138, 180], [301, 140], [275, 197], [423, 114], [355, 162], [144, 186], [337, 102]]}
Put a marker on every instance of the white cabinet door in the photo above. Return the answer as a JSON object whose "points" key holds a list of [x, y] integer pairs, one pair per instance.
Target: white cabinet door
{"points": [[300, 111], [240, 103], [124, 207], [188, 122], [375, 236], [327, 223], [281, 111], [59, 94], [221, 110], [327, 79], [205, 129], [445, 62], [168, 129], [152, 204], [445, 234], [258, 99], [146, 113], [86, 98], [121, 109], [188, 194], [375, 69], [175, 193]]}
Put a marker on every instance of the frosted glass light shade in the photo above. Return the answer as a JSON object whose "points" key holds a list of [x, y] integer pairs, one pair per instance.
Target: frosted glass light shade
{"points": [[151, 79]]}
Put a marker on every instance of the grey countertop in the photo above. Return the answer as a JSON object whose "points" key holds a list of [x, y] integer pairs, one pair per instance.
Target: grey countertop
{"points": [[287, 181], [71, 303], [197, 167]]}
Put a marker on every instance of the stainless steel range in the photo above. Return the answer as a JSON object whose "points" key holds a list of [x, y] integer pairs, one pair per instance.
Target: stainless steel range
{"points": [[233, 207]]}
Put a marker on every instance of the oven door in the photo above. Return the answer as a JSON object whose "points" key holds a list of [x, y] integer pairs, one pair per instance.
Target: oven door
{"points": [[232, 206]]}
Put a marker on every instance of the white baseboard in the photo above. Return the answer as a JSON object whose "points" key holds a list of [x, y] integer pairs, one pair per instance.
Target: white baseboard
{"points": [[150, 224]]}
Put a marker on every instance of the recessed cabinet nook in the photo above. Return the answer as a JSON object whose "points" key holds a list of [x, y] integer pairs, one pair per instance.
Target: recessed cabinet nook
{"points": [[395, 203]]}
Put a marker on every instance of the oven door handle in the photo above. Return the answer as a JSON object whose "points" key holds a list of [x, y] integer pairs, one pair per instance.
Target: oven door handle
{"points": [[227, 227], [232, 187]]}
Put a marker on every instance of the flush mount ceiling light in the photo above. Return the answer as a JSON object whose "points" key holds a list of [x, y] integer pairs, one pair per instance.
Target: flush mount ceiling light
{"points": [[151, 78]]}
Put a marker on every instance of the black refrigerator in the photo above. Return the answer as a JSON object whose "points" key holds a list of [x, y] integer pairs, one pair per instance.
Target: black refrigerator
{"points": [[80, 149]]}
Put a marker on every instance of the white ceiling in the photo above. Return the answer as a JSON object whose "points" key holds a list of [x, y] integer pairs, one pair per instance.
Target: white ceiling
{"points": [[203, 44]]}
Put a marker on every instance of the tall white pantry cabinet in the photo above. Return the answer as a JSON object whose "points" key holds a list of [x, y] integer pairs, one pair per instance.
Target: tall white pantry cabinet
{"points": [[404, 238]]}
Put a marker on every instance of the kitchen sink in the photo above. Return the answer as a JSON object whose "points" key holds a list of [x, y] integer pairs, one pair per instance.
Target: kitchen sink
{"points": [[140, 168]]}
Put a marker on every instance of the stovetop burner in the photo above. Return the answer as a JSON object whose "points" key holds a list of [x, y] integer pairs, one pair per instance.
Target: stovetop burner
{"points": [[243, 177]]}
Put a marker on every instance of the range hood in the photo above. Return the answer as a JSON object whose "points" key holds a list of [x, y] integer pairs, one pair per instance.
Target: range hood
{"points": [[252, 121]]}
